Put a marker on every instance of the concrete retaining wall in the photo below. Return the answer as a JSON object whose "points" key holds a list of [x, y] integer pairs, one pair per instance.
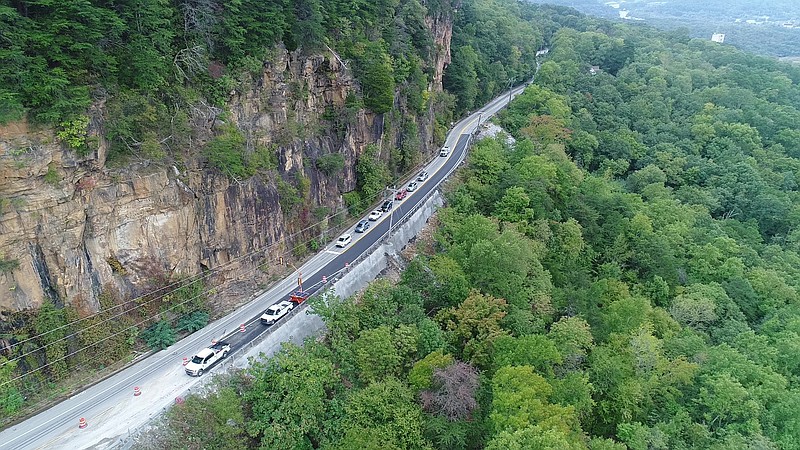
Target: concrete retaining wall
{"points": [[360, 275]]}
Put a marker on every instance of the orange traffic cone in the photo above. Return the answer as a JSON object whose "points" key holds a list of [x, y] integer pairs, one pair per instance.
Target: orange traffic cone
{"points": [[136, 391], [185, 361], [82, 423]]}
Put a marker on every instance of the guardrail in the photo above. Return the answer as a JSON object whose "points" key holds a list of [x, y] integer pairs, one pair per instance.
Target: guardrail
{"points": [[317, 289], [233, 357]]}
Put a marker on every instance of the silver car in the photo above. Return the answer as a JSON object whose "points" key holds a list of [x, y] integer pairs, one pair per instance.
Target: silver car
{"points": [[362, 226]]}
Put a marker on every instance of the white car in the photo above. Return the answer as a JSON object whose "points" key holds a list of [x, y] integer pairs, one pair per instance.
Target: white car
{"points": [[343, 240], [206, 358], [375, 215], [422, 176], [276, 312], [445, 151], [412, 186]]}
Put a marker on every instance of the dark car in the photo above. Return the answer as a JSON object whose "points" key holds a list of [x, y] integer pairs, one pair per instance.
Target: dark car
{"points": [[401, 194], [387, 206], [362, 226]]}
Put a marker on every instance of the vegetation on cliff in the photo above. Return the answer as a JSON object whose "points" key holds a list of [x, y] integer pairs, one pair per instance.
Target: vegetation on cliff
{"points": [[140, 73], [623, 276], [150, 63]]}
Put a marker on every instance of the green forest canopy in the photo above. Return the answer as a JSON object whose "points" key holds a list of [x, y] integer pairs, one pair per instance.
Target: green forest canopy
{"points": [[625, 275], [59, 56]]}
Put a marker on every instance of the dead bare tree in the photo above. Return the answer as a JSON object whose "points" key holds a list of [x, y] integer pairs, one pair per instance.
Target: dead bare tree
{"points": [[453, 394], [199, 19], [190, 61]]}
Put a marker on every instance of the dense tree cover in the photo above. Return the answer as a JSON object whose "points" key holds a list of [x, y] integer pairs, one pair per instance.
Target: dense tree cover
{"points": [[495, 42], [492, 47], [156, 66], [157, 70], [623, 276]]}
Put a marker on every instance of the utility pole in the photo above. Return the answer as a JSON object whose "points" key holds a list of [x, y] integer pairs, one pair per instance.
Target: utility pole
{"points": [[510, 85], [392, 193]]}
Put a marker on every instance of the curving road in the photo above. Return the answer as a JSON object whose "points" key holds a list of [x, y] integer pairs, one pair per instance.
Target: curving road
{"points": [[109, 407]]}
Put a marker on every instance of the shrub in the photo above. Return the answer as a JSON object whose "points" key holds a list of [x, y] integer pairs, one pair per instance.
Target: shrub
{"points": [[289, 196], [51, 177], [321, 212], [330, 164], [189, 298], [353, 202], [74, 133], [263, 158], [159, 336], [8, 265], [300, 251], [226, 153], [116, 266], [193, 322]]}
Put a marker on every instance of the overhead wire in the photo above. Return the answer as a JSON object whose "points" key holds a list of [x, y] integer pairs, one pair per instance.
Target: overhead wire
{"points": [[185, 282], [124, 330], [108, 319], [157, 292]]}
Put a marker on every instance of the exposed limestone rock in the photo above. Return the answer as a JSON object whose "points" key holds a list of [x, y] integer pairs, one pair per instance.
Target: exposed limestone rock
{"points": [[84, 226]]}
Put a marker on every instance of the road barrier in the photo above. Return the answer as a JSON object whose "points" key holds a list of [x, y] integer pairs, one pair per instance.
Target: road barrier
{"points": [[261, 336], [82, 423], [136, 391]]}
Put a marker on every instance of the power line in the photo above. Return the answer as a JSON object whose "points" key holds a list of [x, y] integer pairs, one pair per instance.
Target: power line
{"points": [[124, 330], [135, 326], [187, 281], [137, 306]]}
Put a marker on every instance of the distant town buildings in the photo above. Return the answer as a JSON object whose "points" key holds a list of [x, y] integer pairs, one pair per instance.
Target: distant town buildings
{"points": [[718, 37]]}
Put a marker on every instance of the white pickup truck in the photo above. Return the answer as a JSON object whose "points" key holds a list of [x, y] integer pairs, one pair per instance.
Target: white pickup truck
{"points": [[276, 311], [206, 358]]}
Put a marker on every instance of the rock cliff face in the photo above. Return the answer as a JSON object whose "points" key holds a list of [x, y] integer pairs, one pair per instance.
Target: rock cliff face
{"points": [[76, 227]]}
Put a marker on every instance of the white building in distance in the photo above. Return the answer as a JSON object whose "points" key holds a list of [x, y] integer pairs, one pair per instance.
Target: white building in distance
{"points": [[718, 37]]}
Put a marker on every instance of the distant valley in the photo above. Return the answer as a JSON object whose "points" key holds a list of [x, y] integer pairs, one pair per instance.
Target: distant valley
{"points": [[769, 28]]}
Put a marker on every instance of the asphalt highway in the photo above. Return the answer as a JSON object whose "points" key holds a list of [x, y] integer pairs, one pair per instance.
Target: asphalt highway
{"points": [[109, 407]]}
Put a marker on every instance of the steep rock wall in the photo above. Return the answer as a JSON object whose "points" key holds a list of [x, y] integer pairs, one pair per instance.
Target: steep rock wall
{"points": [[75, 226]]}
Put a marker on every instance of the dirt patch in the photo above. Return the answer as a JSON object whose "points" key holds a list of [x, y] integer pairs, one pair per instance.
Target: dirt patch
{"points": [[424, 242]]}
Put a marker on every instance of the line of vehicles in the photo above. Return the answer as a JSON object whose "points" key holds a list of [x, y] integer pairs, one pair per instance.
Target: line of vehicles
{"points": [[206, 358], [364, 224]]}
